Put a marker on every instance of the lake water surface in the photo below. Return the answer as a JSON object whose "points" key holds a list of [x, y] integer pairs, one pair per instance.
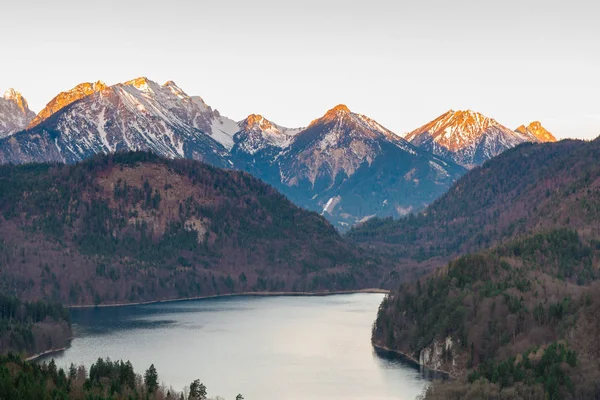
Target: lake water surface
{"points": [[267, 348]]}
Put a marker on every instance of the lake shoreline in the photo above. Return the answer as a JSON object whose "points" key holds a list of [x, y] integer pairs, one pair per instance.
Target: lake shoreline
{"points": [[241, 294], [412, 360], [36, 356]]}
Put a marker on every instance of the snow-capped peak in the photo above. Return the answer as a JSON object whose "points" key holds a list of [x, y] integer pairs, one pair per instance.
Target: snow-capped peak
{"points": [[257, 133], [256, 121], [538, 132], [14, 113], [342, 122], [466, 136], [176, 90], [65, 98], [142, 83], [11, 94], [339, 109], [454, 130], [17, 98]]}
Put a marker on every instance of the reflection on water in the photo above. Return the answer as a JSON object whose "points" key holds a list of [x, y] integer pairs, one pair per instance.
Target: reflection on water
{"points": [[268, 348]]}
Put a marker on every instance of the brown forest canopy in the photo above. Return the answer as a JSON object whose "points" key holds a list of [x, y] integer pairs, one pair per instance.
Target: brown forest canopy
{"points": [[135, 227]]}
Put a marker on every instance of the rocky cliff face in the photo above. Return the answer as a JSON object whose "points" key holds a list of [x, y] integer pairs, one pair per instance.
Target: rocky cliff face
{"points": [[444, 356]]}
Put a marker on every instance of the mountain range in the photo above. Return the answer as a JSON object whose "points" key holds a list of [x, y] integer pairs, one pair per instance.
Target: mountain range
{"points": [[343, 165]]}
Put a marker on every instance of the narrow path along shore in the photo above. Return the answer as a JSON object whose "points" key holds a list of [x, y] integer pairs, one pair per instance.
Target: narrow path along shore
{"points": [[215, 296], [45, 353]]}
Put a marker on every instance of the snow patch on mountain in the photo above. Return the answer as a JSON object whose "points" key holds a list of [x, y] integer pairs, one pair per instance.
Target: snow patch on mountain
{"points": [[256, 134], [330, 205], [223, 129]]}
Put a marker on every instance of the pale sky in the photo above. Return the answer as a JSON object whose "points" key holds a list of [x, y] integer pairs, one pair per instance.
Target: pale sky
{"points": [[400, 62]]}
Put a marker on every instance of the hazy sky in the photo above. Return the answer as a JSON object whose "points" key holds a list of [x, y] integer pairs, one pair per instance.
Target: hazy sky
{"points": [[400, 62]]}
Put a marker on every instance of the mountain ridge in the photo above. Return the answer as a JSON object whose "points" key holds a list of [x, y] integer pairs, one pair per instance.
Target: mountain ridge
{"points": [[470, 138]]}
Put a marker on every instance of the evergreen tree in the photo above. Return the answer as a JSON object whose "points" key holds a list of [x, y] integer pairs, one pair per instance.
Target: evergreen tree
{"points": [[151, 379], [197, 390]]}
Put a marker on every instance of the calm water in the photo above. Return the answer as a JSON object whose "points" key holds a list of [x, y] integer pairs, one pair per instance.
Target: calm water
{"points": [[268, 348]]}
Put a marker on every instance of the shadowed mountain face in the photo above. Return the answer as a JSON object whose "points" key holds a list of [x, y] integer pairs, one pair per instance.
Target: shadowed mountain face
{"points": [[470, 138], [528, 189], [135, 227], [349, 167]]}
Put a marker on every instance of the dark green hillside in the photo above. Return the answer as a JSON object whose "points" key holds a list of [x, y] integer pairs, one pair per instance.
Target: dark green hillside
{"points": [[488, 318], [528, 189], [135, 227]]}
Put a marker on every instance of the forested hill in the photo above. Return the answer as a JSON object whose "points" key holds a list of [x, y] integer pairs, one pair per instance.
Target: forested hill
{"points": [[516, 314], [31, 328], [134, 227], [520, 320], [528, 189]]}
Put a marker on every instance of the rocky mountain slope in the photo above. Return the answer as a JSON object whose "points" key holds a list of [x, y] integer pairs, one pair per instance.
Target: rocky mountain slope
{"points": [[134, 227], [15, 114], [354, 168], [470, 138], [258, 144], [63, 99]]}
